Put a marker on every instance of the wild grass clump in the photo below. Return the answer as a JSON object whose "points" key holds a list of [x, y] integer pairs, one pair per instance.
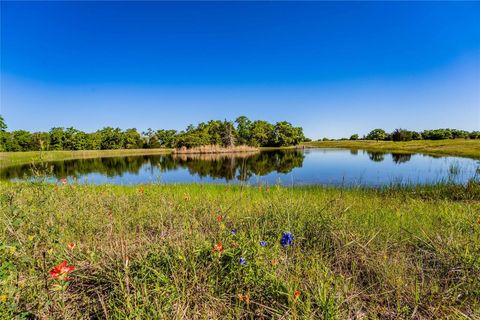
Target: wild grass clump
{"points": [[222, 252]]}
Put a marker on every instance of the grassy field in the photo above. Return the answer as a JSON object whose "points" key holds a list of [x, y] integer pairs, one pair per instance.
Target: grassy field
{"points": [[458, 147], [17, 158], [153, 252]]}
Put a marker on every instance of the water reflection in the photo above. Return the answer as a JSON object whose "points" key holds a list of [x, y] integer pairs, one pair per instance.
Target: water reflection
{"points": [[309, 166], [219, 166]]}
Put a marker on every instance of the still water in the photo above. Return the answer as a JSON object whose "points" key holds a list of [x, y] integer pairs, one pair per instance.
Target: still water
{"points": [[287, 167]]}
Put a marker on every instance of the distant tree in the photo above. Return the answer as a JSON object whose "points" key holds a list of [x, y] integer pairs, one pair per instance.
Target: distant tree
{"points": [[132, 139], [56, 138], [376, 134], [166, 138], [3, 125], [354, 137], [244, 127], [228, 134], [112, 138], [260, 133], [40, 141], [474, 135], [402, 135]]}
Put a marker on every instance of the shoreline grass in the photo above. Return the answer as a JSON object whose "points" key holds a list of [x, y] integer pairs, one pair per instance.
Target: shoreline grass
{"points": [[147, 252], [457, 147], [216, 149], [18, 158]]}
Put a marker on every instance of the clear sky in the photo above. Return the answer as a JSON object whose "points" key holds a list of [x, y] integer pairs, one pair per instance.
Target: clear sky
{"points": [[335, 68]]}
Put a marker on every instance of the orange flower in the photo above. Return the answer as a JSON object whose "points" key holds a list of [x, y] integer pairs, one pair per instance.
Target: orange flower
{"points": [[219, 218], [296, 294], [478, 221], [71, 245], [141, 190], [244, 297], [218, 247], [274, 262], [61, 271]]}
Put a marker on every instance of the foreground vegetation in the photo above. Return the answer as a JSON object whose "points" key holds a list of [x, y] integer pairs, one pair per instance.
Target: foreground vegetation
{"points": [[219, 252], [457, 147]]}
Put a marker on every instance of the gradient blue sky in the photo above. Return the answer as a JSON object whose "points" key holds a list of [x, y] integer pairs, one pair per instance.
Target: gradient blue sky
{"points": [[335, 68]]}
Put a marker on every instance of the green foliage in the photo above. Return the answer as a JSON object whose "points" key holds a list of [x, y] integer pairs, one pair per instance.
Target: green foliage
{"points": [[376, 134], [3, 125], [147, 252], [354, 137]]}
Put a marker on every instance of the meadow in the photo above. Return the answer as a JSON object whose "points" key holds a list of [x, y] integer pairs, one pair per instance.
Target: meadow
{"points": [[448, 147], [233, 251]]}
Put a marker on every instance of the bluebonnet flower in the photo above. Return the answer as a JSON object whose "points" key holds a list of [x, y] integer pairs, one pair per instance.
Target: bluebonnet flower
{"points": [[263, 243], [234, 231], [287, 239], [243, 261]]}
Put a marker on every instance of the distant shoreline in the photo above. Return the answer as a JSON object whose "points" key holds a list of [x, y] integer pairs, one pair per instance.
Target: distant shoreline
{"points": [[457, 147]]}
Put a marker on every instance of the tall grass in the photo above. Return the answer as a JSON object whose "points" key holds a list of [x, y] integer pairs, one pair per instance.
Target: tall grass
{"points": [[215, 149], [147, 252]]}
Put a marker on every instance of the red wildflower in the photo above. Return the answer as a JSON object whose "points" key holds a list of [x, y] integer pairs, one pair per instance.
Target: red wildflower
{"points": [[71, 245], [296, 294], [61, 271], [218, 247], [141, 190], [219, 218]]}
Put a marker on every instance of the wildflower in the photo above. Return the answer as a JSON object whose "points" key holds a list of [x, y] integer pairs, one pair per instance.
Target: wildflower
{"points": [[219, 218], [71, 245], [30, 238], [243, 261], [478, 221], [296, 294], [218, 247], [141, 190], [274, 262], [3, 298], [61, 271], [263, 243], [12, 249], [244, 297], [287, 239], [64, 181], [234, 231], [50, 251]]}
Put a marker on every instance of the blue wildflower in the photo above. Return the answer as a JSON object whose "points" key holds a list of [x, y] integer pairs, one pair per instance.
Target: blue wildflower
{"points": [[243, 261], [287, 239], [234, 231], [263, 243]]}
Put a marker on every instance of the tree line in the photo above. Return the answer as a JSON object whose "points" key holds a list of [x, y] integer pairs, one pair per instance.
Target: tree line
{"points": [[407, 135], [242, 131]]}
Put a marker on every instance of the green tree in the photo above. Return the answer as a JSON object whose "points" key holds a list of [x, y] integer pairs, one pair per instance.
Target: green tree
{"points": [[132, 139], [354, 137], [3, 125], [260, 133], [244, 127], [376, 134]]}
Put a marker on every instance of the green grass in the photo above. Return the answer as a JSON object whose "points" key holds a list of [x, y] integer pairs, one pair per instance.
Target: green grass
{"points": [[145, 252], [17, 158], [457, 147]]}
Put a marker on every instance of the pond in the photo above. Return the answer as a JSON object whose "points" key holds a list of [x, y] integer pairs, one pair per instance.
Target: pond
{"points": [[286, 167]]}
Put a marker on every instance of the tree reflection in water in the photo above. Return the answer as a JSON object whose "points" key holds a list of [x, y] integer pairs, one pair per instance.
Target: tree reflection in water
{"points": [[240, 166]]}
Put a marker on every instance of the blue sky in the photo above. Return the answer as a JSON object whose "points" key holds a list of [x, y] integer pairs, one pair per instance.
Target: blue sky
{"points": [[335, 68]]}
